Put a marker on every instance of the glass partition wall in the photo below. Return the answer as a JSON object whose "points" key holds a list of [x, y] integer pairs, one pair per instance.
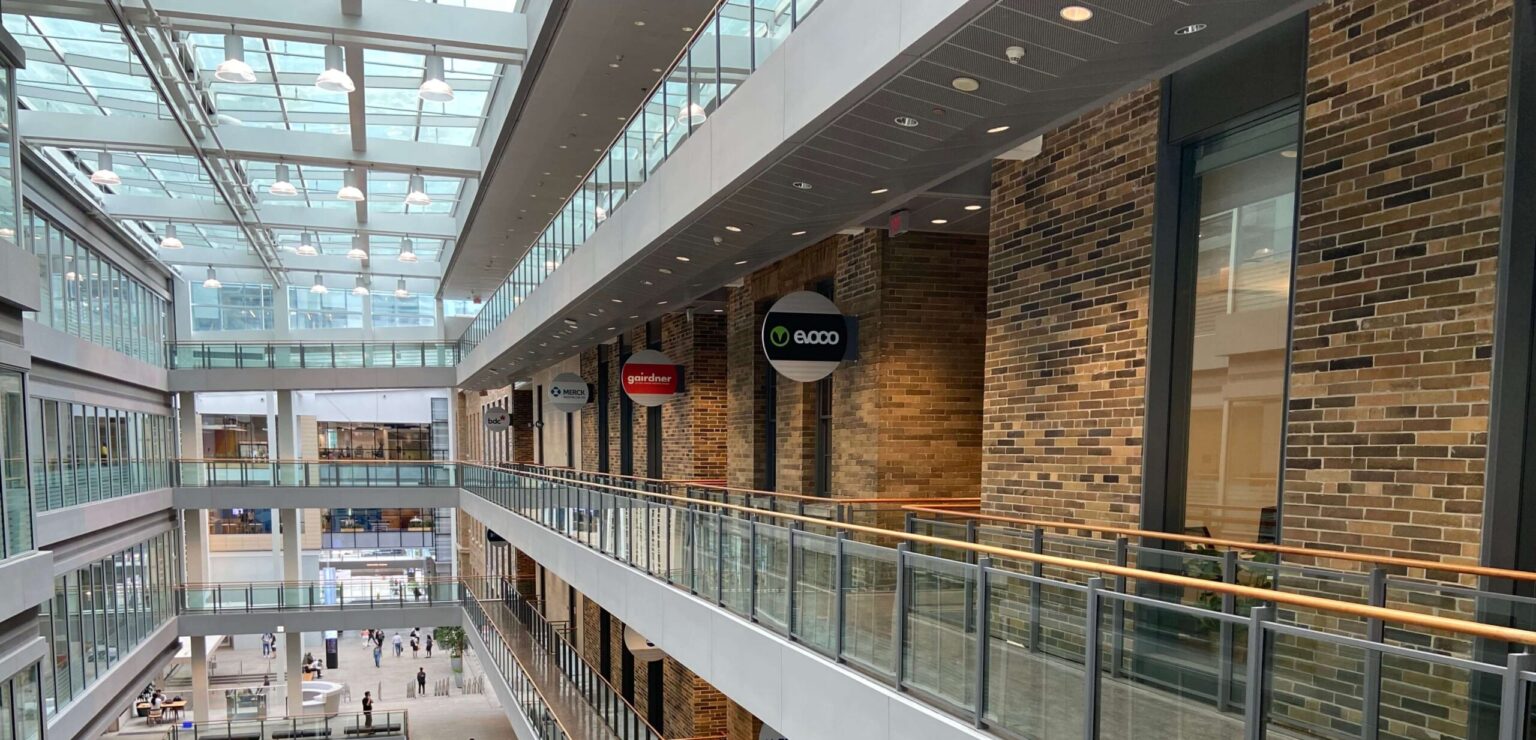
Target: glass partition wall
{"points": [[82, 453], [10, 182]]}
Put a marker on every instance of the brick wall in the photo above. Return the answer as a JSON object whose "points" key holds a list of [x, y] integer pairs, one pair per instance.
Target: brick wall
{"points": [[1067, 319], [522, 430], [693, 425]]}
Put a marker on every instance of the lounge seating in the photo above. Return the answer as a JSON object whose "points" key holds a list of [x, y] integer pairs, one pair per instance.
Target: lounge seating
{"points": [[374, 730]]}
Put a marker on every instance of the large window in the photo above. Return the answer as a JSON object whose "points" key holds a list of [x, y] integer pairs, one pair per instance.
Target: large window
{"points": [[338, 309], [415, 310], [233, 307], [82, 453], [10, 200], [1241, 186], [13, 464]]}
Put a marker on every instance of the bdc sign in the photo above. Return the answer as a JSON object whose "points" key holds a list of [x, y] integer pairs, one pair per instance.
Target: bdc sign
{"points": [[568, 392], [805, 337]]}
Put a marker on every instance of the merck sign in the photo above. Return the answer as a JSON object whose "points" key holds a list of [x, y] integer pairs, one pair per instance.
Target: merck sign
{"points": [[651, 378]]}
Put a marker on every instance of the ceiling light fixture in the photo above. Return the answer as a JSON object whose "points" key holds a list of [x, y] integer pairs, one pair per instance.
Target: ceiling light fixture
{"points": [[233, 68], [1288, 153], [615, 300], [359, 250], [351, 186], [281, 185], [681, 258], [965, 84], [334, 79], [973, 207], [361, 288], [801, 185], [169, 241], [407, 251], [306, 246], [212, 283], [733, 229], [639, 23], [434, 89], [400, 291], [939, 221], [740, 262], [103, 174], [693, 114], [664, 270], [1076, 13], [906, 121], [1189, 29], [416, 192], [879, 191], [998, 129]]}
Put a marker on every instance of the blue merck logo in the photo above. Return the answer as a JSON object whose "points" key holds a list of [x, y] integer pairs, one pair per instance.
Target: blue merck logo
{"points": [[555, 391]]}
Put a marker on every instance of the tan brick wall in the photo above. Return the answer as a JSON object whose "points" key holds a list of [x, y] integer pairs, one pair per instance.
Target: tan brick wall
{"points": [[1067, 319], [693, 425]]}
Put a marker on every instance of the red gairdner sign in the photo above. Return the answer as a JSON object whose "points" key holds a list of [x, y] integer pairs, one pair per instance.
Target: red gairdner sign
{"points": [[651, 378]]}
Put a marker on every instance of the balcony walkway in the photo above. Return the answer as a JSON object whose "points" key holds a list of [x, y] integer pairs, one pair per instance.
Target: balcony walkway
{"points": [[265, 366]]}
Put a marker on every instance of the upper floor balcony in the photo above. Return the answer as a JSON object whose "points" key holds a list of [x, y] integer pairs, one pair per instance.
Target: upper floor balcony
{"points": [[203, 366]]}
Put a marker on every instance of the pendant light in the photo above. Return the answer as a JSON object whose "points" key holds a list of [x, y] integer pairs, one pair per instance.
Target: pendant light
{"points": [[351, 189], [319, 287], [233, 68], [416, 193], [400, 291], [306, 246], [359, 250], [407, 251], [169, 241], [103, 174], [434, 89], [362, 286], [333, 78], [212, 283], [282, 185], [692, 114]]}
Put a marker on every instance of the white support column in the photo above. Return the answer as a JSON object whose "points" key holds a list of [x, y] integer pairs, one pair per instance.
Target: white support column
{"points": [[287, 448], [293, 656], [289, 520], [194, 537], [200, 698], [189, 425]]}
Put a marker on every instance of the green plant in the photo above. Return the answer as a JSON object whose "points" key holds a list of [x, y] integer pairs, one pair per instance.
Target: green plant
{"points": [[1210, 570], [451, 638]]}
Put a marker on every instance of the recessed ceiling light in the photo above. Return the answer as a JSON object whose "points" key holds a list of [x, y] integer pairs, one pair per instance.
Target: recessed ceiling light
{"points": [[906, 121], [938, 221], [661, 303], [719, 310], [664, 270], [1076, 13], [998, 129], [613, 65], [681, 258], [733, 229], [581, 115], [609, 329], [965, 84], [655, 69], [801, 185], [741, 262], [570, 322], [687, 29], [797, 233], [562, 146], [615, 300], [647, 282], [639, 23], [973, 207], [635, 316], [878, 191], [1189, 29], [1288, 153]]}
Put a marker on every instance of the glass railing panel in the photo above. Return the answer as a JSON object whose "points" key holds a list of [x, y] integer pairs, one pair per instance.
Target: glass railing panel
{"points": [[736, 565], [869, 607], [317, 356], [350, 354], [940, 634], [1021, 677], [771, 558], [814, 617], [704, 546]]}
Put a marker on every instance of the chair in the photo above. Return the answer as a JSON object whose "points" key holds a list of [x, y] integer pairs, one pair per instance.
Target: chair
{"points": [[155, 713]]}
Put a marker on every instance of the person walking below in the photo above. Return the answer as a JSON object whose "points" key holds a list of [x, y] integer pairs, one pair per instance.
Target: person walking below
{"points": [[429, 646], [368, 708], [421, 681], [399, 646], [415, 647], [266, 645], [378, 652]]}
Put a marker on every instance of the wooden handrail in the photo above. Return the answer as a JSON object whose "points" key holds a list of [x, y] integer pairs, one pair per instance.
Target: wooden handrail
{"points": [[1472, 570], [534, 684], [1386, 614], [751, 491]]}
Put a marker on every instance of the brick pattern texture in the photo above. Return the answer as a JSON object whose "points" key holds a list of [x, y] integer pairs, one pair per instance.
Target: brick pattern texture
{"points": [[1067, 319]]}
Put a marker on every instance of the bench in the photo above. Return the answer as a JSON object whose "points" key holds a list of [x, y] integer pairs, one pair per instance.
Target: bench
{"points": [[374, 730], [246, 736], [284, 735]]}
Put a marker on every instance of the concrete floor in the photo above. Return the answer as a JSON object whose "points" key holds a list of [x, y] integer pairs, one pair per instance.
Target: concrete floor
{"points": [[454, 717]]}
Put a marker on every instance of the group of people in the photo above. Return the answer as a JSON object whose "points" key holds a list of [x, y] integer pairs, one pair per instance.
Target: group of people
{"points": [[375, 639], [269, 645]]}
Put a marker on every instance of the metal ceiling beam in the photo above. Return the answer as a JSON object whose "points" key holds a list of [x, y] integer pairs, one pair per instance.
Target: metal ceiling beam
{"points": [[357, 117], [80, 130], [155, 208], [334, 264], [396, 25]]}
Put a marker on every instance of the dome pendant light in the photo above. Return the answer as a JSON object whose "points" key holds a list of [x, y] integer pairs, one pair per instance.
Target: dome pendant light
{"points": [[416, 193], [103, 174], [212, 283], [334, 78], [434, 89], [282, 185], [306, 246], [359, 250], [169, 241], [407, 252], [693, 114], [400, 291], [319, 287], [362, 286], [233, 68], [351, 189]]}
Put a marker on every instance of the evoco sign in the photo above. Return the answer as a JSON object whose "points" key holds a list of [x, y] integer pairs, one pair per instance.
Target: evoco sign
{"points": [[568, 392], [805, 337], [651, 378]]}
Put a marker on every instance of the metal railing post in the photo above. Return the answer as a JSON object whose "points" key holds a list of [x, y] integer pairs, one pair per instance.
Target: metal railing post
{"points": [[1037, 569], [719, 557], [1091, 682], [752, 574], [983, 597], [1254, 711], [1225, 647], [903, 596], [1514, 710], [1375, 631], [1117, 638], [792, 581], [838, 597]]}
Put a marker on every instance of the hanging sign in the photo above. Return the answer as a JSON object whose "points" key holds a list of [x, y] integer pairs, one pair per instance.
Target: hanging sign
{"points": [[805, 337], [650, 378], [568, 392], [498, 419]]}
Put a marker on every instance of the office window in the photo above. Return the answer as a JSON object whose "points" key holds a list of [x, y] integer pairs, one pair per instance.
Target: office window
{"points": [[415, 310], [13, 464], [1241, 187], [338, 309], [234, 307]]}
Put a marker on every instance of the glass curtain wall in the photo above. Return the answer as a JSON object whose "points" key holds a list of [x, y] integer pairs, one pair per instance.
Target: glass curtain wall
{"points": [[413, 310], [1244, 183], [21, 716], [233, 307], [364, 441], [82, 453], [84, 294], [337, 309], [101, 611], [10, 182], [17, 494]]}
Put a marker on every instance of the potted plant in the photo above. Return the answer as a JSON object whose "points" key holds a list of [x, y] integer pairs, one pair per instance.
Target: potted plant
{"points": [[452, 639]]}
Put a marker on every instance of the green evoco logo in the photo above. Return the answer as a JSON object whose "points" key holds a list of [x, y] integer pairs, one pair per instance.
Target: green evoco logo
{"points": [[779, 336]]}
